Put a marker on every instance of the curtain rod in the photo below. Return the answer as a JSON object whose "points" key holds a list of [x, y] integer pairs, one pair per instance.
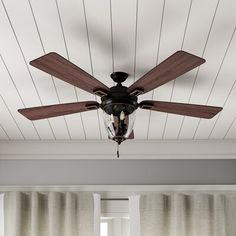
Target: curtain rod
{"points": [[114, 199]]}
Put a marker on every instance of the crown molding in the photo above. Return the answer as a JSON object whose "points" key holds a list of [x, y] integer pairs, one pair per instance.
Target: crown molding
{"points": [[118, 190], [138, 149]]}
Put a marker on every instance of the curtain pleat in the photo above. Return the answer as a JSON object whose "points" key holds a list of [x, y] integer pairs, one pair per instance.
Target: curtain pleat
{"points": [[195, 214], [48, 214]]}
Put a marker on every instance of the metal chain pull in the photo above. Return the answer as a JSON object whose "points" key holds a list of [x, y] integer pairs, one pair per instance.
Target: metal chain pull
{"points": [[117, 152]]}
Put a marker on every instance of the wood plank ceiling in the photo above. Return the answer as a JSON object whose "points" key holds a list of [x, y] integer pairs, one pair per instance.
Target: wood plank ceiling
{"points": [[117, 35]]}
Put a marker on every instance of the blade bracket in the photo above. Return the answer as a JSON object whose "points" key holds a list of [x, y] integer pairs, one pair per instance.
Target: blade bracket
{"points": [[92, 107], [146, 106], [137, 92], [100, 92]]}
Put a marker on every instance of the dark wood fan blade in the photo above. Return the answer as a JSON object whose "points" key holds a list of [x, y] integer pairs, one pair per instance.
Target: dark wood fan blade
{"points": [[36, 113], [174, 66], [200, 111], [58, 66]]}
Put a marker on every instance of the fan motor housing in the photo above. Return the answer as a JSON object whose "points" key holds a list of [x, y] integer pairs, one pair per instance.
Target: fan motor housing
{"points": [[118, 100]]}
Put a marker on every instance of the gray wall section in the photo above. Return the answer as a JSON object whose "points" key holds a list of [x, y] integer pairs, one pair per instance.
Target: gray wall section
{"points": [[112, 172]]}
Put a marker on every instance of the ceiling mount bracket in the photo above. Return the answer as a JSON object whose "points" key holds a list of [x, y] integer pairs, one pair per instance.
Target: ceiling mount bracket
{"points": [[119, 77]]}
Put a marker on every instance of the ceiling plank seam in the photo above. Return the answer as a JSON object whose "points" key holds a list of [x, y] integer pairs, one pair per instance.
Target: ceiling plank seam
{"points": [[157, 61], [203, 52], [230, 126], [24, 59], [9, 111], [5, 132], [17, 90], [112, 40], [135, 39], [91, 61], [68, 57], [227, 98], [44, 51], [173, 86], [216, 78]]}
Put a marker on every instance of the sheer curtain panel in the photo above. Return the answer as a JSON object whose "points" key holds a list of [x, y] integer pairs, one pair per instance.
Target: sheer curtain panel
{"points": [[48, 214], [194, 214]]}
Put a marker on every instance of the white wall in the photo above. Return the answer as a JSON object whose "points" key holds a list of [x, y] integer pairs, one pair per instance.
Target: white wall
{"points": [[113, 172]]}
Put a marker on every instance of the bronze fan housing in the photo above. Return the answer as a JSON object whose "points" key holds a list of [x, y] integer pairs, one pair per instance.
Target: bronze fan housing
{"points": [[118, 99]]}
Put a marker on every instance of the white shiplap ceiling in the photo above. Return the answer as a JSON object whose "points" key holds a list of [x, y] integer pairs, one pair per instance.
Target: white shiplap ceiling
{"points": [[117, 35]]}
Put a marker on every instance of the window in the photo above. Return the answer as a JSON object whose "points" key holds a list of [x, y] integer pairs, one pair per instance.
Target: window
{"points": [[115, 226], [115, 218], [104, 229]]}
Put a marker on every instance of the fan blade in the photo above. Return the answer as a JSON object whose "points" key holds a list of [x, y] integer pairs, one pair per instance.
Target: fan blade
{"points": [[58, 66], [174, 66], [200, 111], [36, 113]]}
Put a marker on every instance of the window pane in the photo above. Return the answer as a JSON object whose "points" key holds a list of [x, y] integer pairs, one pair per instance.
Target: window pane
{"points": [[115, 226], [103, 229]]}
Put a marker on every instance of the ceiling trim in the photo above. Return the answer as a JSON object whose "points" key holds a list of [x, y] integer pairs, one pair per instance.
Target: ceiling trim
{"points": [[105, 149], [118, 190]]}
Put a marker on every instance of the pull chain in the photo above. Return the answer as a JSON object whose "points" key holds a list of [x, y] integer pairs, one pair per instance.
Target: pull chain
{"points": [[117, 152]]}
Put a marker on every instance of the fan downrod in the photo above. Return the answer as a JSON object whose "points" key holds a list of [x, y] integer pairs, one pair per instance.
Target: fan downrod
{"points": [[119, 77]]}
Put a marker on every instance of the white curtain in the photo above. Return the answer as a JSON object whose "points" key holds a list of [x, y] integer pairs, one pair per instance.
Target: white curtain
{"points": [[48, 214], [97, 213], [1, 215], [134, 215], [193, 214]]}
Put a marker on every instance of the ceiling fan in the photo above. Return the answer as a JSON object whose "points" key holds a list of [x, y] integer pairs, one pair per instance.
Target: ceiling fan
{"points": [[119, 102]]}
